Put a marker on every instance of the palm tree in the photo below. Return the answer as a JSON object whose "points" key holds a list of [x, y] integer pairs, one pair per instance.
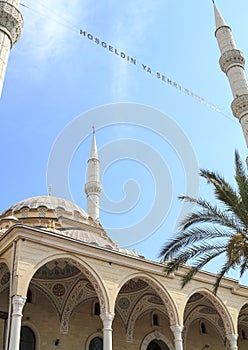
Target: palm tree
{"points": [[213, 230]]}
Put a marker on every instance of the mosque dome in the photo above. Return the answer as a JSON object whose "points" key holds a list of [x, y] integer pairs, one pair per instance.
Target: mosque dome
{"points": [[57, 215], [48, 202]]}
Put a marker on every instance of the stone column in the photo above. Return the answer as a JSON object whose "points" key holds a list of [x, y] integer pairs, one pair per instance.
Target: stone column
{"points": [[107, 319], [17, 304], [178, 340], [232, 338]]}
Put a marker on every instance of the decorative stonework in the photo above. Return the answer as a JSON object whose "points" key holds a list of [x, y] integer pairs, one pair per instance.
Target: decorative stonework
{"points": [[74, 299], [11, 21], [156, 335], [140, 308], [4, 277], [195, 297], [124, 303], [17, 303], [133, 286], [59, 289], [93, 187], [95, 284], [214, 317], [231, 58], [167, 302], [56, 270], [240, 106]]}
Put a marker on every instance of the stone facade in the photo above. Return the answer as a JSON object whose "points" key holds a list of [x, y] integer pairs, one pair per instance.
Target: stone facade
{"points": [[74, 289]]}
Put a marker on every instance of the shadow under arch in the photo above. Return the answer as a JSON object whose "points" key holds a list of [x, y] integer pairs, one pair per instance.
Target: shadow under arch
{"points": [[155, 335], [242, 323], [158, 287], [218, 304], [30, 325], [5, 276], [5, 262], [82, 266]]}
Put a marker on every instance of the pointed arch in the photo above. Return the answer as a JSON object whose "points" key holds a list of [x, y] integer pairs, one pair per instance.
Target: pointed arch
{"points": [[82, 266], [220, 307], [160, 290], [155, 335], [35, 331], [140, 308]]}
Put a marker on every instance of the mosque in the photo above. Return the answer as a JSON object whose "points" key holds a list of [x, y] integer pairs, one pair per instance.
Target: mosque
{"points": [[65, 285]]}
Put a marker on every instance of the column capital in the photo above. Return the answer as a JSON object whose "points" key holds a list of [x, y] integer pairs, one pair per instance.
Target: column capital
{"points": [[233, 337], [107, 319], [177, 329], [18, 302]]}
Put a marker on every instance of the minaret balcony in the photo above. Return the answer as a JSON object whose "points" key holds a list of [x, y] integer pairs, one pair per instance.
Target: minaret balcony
{"points": [[240, 106], [93, 187], [11, 21], [231, 58]]}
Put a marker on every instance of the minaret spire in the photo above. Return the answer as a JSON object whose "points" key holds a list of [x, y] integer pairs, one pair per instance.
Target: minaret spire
{"points": [[11, 23], [232, 63], [93, 187]]}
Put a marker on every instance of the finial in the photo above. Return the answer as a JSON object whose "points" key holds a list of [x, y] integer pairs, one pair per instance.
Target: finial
{"points": [[93, 128], [213, 2], [50, 190]]}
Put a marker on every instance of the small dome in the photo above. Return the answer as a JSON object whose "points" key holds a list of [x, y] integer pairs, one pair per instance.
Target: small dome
{"points": [[88, 237], [50, 202], [11, 217]]}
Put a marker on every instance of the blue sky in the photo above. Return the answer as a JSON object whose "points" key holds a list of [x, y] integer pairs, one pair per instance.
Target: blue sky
{"points": [[59, 82]]}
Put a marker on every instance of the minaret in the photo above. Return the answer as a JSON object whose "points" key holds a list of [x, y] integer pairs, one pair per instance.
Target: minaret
{"points": [[232, 63], [93, 187], [11, 23]]}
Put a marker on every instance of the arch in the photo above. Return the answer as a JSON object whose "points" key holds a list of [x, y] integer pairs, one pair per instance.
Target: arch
{"points": [[85, 268], [157, 345], [160, 290], [193, 318], [220, 307], [140, 308], [96, 310], [242, 323], [91, 337], [245, 304], [27, 339], [155, 335], [5, 262], [35, 331], [4, 276]]}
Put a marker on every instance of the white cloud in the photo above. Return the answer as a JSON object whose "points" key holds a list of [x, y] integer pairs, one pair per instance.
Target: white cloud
{"points": [[129, 33], [47, 26]]}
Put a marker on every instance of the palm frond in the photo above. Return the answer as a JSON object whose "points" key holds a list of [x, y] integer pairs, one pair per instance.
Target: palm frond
{"points": [[226, 194], [212, 230], [191, 236], [199, 265], [210, 213], [242, 182]]}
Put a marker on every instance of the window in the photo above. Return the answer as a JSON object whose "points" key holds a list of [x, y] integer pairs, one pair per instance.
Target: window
{"points": [[157, 345], [243, 334], [29, 296], [97, 309], [96, 344], [203, 329], [27, 341], [155, 320]]}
